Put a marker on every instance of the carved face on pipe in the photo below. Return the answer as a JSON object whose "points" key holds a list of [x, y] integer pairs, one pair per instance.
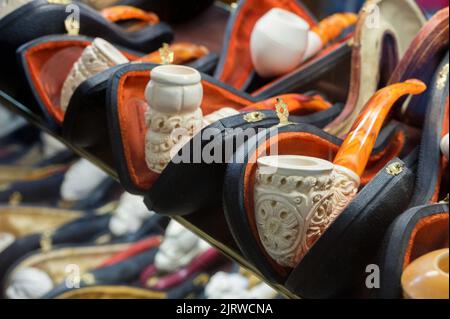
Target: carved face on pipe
{"points": [[298, 197]]}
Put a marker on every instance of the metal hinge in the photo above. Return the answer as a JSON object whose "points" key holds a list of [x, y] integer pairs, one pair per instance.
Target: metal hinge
{"points": [[395, 168], [46, 241], [254, 117]]}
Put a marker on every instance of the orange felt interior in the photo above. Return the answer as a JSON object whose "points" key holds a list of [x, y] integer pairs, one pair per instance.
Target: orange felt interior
{"points": [[131, 107], [49, 64], [429, 234], [307, 144], [238, 65]]}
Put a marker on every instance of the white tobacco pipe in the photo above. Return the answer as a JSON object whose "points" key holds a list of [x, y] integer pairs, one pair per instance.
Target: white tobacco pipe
{"points": [[81, 180], [95, 58], [29, 283], [174, 95], [298, 197], [129, 216], [178, 248], [281, 40]]}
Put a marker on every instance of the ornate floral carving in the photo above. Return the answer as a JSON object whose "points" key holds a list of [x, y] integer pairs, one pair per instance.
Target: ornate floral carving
{"points": [[166, 134], [345, 188], [291, 213], [92, 61]]}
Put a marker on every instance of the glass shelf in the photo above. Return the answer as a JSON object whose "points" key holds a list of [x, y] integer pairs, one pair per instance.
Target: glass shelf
{"points": [[209, 225]]}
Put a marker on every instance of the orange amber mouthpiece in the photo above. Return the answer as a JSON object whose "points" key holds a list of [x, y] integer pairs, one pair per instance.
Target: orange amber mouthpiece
{"points": [[298, 104], [358, 145], [121, 13], [183, 53], [331, 27]]}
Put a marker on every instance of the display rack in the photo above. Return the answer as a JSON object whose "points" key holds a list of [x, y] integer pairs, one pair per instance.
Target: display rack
{"points": [[207, 225]]}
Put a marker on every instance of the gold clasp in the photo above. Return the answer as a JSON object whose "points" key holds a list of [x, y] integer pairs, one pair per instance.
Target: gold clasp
{"points": [[166, 54], [46, 241], [254, 117], [395, 169], [15, 199]]}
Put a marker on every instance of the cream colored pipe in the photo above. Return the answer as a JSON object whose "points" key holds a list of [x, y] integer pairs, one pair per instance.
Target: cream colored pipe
{"points": [[298, 197], [179, 247], [174, 95], [281, 40], [97, 57]]}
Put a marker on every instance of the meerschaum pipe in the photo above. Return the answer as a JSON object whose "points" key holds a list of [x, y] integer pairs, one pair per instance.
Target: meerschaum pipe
{"points": [[174, 95], [281, 40], [278, 42], [81, 180], [178, 248], [427, 277], [129, 215], [236, 286], [444, 146], [29, 283], [298, 197], [97, 57]]}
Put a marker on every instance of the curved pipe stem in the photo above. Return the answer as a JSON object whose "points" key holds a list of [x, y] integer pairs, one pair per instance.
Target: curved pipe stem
{"points": [[331, 27], [358, 145], [296, 103], [183, 53]]}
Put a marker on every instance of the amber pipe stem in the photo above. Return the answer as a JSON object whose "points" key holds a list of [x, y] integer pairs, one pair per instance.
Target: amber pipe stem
{"points": [[183, 53], [297, 103], [121, 13], [331, 27], [358, 145]]}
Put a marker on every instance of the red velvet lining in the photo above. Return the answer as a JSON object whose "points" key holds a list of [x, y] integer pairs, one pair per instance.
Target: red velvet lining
{"points": [[302, 143], [238, 65], [429, 234], [49, 64]]}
